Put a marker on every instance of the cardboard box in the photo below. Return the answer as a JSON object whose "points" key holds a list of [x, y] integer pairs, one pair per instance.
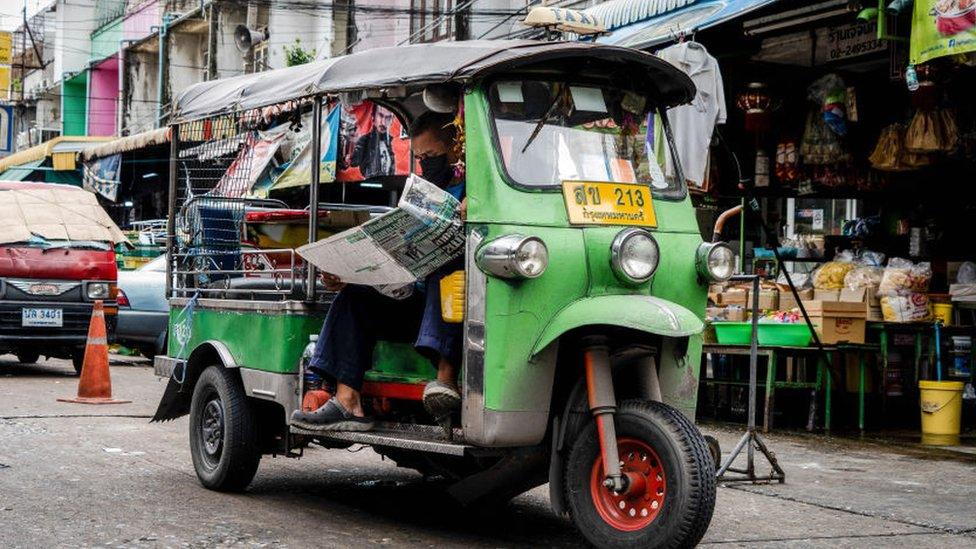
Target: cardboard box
{"points": [[866, 296], [768, 300], [733, 296], [736, 314], [786, 301], [837, 321], [826, 295]]}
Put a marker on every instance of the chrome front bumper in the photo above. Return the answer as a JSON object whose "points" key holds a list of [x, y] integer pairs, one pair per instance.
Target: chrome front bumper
{"points": [[164, 365]]}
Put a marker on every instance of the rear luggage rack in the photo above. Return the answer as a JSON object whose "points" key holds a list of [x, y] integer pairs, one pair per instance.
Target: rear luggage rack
{"points": [[426, 438]]}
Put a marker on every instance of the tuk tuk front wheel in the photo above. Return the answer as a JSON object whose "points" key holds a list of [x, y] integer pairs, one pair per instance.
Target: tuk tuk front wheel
{"points": [[670, 492], [223, 433]]}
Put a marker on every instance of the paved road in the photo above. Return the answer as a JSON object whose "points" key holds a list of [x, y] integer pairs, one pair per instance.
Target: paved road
{"points": [[72, 475]]}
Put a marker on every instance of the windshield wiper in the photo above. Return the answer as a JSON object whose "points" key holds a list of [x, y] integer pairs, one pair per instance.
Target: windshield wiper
{"points": [[542, 121]]}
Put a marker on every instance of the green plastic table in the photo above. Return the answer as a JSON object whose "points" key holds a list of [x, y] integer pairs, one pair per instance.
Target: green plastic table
{"points": [[772, 354]]}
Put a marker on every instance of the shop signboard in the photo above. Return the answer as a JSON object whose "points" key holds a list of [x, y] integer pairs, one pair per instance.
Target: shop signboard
{"points": [[6, 50], [942, 27], [841, 42], [6, 43], [6, 129]]}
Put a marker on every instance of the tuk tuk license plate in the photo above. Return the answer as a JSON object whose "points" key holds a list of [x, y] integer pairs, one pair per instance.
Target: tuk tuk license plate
{"points": [[595, 203], [41, 317]]}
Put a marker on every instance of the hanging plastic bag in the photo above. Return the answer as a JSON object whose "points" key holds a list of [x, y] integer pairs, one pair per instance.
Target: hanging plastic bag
{"points": [[923, 134], [949, 130], [888, 150]]}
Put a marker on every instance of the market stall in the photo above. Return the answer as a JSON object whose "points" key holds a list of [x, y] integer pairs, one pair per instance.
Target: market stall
{"points": [[852, 126]]}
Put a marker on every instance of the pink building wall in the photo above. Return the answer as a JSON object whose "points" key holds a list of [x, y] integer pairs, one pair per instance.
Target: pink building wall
{"points": [[138, 22], [103, 97]]}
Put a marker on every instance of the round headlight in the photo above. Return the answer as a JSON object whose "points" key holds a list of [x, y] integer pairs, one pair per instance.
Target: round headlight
{"points": [[514, 256], [531, 257], [715, 262], [634, 255]]}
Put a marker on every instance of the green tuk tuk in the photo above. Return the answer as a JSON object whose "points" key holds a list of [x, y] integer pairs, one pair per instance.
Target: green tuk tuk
{"points": [[585, 281]]}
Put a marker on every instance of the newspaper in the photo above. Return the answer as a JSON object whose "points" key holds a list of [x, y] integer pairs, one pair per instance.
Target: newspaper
{"points": [[402, 246]]}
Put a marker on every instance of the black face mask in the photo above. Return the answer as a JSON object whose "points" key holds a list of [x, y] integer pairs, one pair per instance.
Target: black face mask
{"points": [[437, 170]]}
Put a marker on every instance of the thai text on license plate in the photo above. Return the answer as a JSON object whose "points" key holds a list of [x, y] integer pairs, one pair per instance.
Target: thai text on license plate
{"points": [[596, 203], [41, 317]]}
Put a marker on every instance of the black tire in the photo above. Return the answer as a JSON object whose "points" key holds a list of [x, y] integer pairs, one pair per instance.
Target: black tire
{"points": [[78, 360], [682, 507], [28, 357], [223, 432], [148, 351]]}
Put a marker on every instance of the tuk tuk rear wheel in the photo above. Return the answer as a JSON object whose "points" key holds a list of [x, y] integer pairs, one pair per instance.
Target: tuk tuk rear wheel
{"points": [[671, 494], [223, 432]]}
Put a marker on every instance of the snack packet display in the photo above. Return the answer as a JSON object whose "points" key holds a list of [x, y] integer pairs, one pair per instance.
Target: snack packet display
{"points": [[913, 307], [902, 277], [831, 275], [782, 317], [863, 278]]}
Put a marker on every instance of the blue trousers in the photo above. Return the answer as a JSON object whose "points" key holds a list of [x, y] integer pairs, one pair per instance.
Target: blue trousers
{"points": [[360, 316]]}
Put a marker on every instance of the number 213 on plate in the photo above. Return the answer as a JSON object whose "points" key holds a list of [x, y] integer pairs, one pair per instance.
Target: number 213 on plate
{"points": [[597, 203]]}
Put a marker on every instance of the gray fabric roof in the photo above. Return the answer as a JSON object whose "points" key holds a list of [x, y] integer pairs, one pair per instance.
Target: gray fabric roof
{"points": [[418, 65]]}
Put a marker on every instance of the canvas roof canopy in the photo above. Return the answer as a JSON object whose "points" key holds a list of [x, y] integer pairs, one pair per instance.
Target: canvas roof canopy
{"points": [[53, 212], [409, 68], [128, 143]]}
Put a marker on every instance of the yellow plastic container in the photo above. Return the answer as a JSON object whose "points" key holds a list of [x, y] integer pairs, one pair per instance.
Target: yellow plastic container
{"points": [[452, 297], [943, 312], [941, 405]]}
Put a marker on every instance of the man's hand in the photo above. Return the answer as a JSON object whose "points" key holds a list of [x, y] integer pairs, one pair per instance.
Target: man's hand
{"points": [[464, 209], [332, 282]]}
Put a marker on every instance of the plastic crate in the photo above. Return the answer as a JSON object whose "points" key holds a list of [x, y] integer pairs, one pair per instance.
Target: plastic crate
{"points": [[784, 335], [733, 333]]}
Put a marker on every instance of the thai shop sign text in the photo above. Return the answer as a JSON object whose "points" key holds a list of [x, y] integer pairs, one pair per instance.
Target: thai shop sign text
{"points": [[841, 42]]}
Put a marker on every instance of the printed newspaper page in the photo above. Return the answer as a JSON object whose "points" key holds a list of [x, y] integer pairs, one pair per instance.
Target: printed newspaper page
{"points": [[399, 247]]}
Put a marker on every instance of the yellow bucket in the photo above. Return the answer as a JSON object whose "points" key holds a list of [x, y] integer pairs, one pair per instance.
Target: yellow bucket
{"points": [[941, 405], [943, 312]]}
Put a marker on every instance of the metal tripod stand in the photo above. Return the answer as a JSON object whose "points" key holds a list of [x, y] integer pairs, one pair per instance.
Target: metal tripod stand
{"points": [[751, 441]]}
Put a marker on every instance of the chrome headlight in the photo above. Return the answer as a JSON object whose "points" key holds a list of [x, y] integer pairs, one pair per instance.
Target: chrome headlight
{"points": [[634, 255], [514, 256], [97, 290], [715, 261]]}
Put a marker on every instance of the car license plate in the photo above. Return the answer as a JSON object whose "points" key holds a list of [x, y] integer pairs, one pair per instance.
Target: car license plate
{"points": [[596, 203], [41, 317]]}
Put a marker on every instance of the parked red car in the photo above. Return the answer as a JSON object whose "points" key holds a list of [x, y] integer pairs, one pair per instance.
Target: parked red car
{"points": [[57, 257]]}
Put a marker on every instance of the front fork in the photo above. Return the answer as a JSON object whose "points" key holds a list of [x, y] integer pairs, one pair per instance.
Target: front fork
{"points": [[603, 406]]}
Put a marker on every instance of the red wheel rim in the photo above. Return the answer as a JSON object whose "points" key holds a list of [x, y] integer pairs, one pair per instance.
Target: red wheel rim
{"points": [[640, 504]]}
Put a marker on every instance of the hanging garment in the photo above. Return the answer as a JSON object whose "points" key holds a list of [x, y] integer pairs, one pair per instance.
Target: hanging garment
{"points": [[694, 123]]}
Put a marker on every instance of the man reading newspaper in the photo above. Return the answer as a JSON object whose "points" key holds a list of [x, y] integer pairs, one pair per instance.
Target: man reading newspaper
{"points": [[361, 315]]}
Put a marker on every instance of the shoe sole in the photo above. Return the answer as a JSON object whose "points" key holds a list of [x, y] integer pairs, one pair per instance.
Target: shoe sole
{"points": [[337, 426], [438, 403]]}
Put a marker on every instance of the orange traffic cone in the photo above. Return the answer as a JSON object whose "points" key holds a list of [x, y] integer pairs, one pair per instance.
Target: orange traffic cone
{"points": [[95, 385]]}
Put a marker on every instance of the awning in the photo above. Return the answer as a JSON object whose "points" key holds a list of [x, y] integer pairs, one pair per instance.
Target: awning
{"points": [[67, 147], [403, 69], [133, 142], [21, 172], [643, 24]]}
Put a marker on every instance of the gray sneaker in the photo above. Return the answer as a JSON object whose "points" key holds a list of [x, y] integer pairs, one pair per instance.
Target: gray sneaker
{"points": [[331, 416], [440, 399]]}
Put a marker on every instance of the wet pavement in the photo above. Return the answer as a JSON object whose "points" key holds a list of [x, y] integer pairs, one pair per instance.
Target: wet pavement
{"points": [[72, 475]]}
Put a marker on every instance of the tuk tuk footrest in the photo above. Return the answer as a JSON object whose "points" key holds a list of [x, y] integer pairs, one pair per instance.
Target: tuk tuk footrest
{"points": [[425, 438]]}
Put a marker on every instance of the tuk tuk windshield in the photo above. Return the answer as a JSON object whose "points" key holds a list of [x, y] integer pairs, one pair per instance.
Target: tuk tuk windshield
{"points": [[550, 131]]}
